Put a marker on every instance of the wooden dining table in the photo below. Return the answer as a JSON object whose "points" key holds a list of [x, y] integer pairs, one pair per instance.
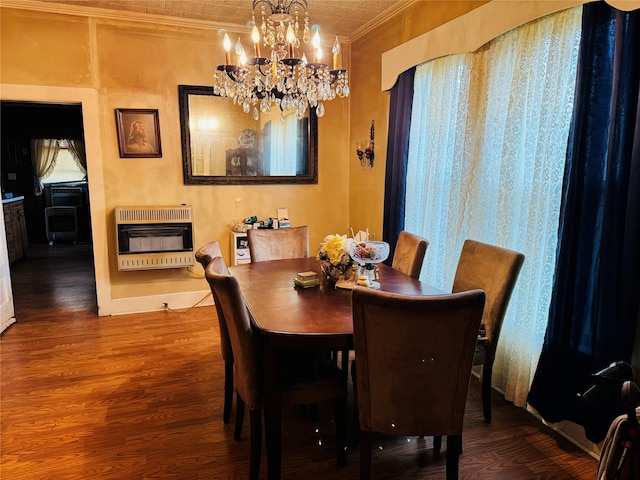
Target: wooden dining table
{"points": [[294, 318]]}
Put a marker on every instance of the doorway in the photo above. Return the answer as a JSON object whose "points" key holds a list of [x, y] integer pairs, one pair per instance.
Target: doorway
{"points": [[54, 268]]}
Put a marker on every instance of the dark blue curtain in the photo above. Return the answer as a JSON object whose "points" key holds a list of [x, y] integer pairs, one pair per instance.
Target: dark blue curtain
{"points": [[397, 154], [595, 303]]}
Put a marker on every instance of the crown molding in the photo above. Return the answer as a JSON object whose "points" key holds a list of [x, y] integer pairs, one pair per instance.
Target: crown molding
{"points": [[117, 15], [381, 18]]}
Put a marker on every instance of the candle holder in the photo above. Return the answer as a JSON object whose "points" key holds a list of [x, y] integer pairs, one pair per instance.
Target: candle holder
{"points": [[365, 150]]}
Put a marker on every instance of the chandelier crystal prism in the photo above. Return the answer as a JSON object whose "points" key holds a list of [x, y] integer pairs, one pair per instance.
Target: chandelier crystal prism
{"points": [[285, 79]]}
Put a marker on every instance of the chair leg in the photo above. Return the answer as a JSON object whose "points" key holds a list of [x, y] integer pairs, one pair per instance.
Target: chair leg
{"points": [[365, 454], [255, 420], [344, 360], [487, 371], [334, 357], [341, 430], [356, 415], [454, 447], [239, 417], [228, 391], [437, 443]]}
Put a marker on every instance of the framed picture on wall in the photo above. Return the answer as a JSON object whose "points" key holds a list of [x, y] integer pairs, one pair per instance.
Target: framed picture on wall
{"points": [[138, 133]]}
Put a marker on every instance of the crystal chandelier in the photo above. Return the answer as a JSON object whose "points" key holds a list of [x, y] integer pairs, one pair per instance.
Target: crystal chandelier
{"points": [[285, 78]]}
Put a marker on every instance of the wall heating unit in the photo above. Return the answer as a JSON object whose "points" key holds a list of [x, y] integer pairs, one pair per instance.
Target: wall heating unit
{"points": [[151, 237]]}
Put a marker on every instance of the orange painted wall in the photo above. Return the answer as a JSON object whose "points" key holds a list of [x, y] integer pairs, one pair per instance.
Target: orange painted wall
{"points": [[140, 65], [134, 64]]}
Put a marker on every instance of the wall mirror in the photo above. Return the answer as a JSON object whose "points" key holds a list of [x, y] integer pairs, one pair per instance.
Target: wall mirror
{"points": [[223, 145]]}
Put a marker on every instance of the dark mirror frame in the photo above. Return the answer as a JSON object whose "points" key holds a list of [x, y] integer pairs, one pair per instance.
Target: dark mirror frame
{"points": [[189, 179]]}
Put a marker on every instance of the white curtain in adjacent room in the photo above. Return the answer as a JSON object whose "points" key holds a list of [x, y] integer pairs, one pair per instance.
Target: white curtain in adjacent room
{"points": [[78, 152], [486, 161], [44, 152]]}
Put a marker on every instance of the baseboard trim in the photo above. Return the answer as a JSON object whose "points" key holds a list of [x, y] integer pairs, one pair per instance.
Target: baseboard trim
{"points": [[572, 432], [569, 430], [155, 303]]}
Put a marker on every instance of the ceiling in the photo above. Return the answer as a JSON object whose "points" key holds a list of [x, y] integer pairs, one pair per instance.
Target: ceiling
{"points": [[336, 17]]}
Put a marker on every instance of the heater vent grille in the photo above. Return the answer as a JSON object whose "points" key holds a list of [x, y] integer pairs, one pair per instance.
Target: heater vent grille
{"points": [[154, 237], [180, 213], [152, 261]]}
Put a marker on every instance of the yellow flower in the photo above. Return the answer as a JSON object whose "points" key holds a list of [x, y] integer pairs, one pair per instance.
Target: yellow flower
{"points": [[334, 248]]}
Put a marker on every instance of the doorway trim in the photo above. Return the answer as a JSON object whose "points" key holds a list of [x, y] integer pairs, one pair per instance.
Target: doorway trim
{"points": [[88, 99]]}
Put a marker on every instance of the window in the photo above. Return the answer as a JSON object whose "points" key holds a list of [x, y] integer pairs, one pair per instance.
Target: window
{"points": [[486, 160], [66, 168]]}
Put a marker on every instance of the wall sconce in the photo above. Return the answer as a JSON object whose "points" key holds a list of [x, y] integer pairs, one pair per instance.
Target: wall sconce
{"points": [[365, 152]]}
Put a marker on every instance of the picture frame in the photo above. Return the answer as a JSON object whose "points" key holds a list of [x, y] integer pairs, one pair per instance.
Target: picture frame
{"points": [[283, 214], [138, 133], [283, 218]]}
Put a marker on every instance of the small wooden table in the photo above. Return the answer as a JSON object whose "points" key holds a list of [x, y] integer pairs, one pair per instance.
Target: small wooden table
{"points": [[292, 318]]}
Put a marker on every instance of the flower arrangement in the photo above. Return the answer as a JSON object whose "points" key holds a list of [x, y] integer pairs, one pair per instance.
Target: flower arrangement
{"points": [[335, 258]]}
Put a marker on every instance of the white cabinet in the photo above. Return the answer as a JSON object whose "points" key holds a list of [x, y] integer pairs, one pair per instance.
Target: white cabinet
{"points": [[239, 248]]}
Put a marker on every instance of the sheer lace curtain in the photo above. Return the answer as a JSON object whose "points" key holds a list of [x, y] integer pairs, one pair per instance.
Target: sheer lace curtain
{"points": [[44, 152], [486, 161]]}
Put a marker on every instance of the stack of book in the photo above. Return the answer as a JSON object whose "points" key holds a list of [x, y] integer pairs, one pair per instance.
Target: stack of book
{"points": [[306, 279]]}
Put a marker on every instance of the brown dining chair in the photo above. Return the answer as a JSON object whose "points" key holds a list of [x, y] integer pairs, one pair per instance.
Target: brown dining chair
{"points": [[407, 258], [494, 270], [276, 244], [204, 255], [297, 387], [414, 356], [409, 254]]}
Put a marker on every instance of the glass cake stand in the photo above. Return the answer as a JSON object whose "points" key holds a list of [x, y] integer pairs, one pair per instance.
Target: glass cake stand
{"points": [[366, 255]]}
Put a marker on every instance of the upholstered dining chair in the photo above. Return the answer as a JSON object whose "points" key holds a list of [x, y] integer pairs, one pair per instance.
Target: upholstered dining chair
{"points": [[495, 270], [295, 389], [414, 356], [204, 255], [276, 244], [409, 254], [407, 258]]}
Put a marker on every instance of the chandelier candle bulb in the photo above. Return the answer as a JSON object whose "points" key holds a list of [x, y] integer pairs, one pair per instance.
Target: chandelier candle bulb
{"points": [[226, 43], [316, 46], [291, 38], [255, 36], [336, 52], [239, 51]]}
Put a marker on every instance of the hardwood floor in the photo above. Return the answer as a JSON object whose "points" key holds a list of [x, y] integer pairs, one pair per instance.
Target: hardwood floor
{"points": [[60, 276], [140, 397]]}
